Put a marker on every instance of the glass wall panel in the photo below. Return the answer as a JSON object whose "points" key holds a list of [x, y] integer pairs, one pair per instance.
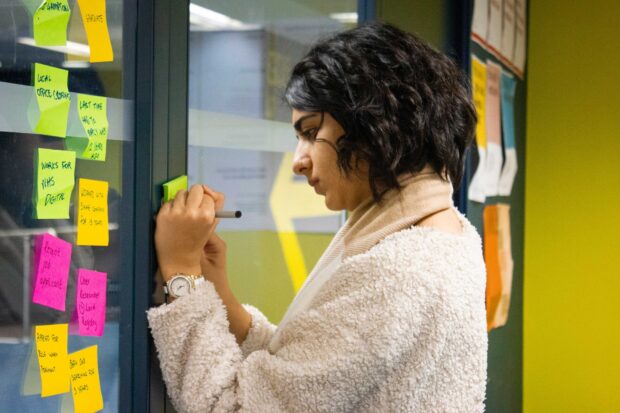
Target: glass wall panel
{"points": [[38, 286], [241, 140]]}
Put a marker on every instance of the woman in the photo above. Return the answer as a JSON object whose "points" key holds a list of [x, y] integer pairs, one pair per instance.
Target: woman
{"points": [[392, 317]]}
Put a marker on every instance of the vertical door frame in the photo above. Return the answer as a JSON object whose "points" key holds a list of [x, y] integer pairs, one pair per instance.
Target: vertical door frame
{"points": [[162, 33]]}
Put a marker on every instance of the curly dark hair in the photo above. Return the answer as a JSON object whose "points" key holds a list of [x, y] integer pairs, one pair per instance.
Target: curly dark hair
{"points": [[402, 104]]}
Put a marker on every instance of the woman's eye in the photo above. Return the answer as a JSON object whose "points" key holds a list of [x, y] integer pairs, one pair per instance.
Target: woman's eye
{"points": [[309, 133]]}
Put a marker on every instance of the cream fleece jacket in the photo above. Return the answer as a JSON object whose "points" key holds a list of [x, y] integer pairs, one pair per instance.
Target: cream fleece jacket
{"points": [[400, 327]]}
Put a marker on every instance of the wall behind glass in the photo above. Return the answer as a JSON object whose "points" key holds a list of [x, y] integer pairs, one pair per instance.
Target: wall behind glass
{"points": [[241, 140]]}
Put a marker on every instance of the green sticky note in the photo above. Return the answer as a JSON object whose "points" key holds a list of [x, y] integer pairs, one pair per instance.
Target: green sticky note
{"points": [[54, 99], [172, 187], [49, 23], [92, 112], [55, 180]]}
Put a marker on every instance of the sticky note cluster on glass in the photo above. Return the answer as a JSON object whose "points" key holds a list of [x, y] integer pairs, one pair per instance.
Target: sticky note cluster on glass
{"points": [[61, 371]]}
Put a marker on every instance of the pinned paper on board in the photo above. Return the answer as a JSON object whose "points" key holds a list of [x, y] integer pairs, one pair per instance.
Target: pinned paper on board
{"points": [[52, 263], [494, 30], [493, 162], [55, 179], [480, 19], [96, 24], [85, 383], [91, 302], [509, 171], [92, 213], [499, 263], [172, 187], [49, 23], [53, 98], [508, 29], [476, 191], [92, 113], [51, 341], [520, 34]]}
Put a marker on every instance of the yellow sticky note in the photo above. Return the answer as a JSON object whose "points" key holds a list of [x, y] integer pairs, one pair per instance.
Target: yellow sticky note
{"points": [[172, 187], [49, 23], [96, 25], [85, 385], [54, 185], [92, 113], [54, 99], [92, 213], [51, 343], [479, 84]]}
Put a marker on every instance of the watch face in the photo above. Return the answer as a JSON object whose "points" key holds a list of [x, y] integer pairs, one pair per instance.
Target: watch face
{"points": [[180, 286]]}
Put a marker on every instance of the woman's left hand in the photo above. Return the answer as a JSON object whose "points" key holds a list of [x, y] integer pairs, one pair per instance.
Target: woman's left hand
{"points": [[183, 227]]}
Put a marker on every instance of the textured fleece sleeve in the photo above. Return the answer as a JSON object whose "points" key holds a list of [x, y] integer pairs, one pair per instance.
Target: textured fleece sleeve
{"points": [[332, 357], [260, 334]]}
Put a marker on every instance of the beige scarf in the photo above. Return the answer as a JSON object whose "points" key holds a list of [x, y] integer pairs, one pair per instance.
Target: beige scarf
{"points": [[422, 195]]}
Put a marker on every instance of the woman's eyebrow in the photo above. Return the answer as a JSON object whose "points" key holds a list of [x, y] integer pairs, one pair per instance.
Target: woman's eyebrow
{"points": [[297, 124]]}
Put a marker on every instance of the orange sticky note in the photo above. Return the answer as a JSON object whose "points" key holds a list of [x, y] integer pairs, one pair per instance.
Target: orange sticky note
{"points": [[96, 25], [92, 213], [85, 383], [491, 259], [51, 343]]}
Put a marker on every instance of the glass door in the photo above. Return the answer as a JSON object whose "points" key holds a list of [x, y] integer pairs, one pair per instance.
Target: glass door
{"points": [[67, 144]]}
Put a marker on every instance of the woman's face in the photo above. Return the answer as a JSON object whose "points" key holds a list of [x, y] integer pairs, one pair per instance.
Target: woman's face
{"points": [[316, 159]]}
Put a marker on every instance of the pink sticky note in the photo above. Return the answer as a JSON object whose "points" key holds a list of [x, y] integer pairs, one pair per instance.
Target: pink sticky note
{"points": [[52, 261], [90, 302]]}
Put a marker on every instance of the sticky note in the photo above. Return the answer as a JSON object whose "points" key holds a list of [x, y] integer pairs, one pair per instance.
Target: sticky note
{"points": [[92, 113], [91, 294], [172, 187], [52, 262], [479, 84], [51, 341], [85, 385], [53, 98], [50, 23], [92, 213], [96, 25], [54, 184]]}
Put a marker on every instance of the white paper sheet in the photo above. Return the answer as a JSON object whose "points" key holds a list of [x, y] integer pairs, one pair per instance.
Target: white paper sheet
{"points": [[520, 34], [480, 18], [494, 33], [476, 191], [508, 30]]}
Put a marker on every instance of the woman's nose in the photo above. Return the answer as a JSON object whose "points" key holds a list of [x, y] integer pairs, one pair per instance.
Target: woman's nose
{"points": [[301, 159]]}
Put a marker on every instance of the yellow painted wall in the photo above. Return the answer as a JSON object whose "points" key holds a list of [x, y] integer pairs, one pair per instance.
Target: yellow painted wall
{"points": [[572, 213]]}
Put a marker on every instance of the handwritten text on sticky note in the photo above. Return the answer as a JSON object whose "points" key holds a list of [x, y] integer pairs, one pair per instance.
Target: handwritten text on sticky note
{"points": [[50, 23], [92, 112], [55, 181], [85, 385], [91, 301], [51, 342], [52, 271], [53, 98], [96, 25], [92, 213]]}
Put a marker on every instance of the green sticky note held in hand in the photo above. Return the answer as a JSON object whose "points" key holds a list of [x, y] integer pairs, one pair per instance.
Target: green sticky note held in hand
{"points": [[49, 23], [54, 183], [54, 99], [172, 187], [92, 112]]}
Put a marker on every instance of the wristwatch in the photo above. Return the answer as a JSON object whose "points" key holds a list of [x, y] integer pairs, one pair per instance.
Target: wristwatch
{"points": [[180, 285]]}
